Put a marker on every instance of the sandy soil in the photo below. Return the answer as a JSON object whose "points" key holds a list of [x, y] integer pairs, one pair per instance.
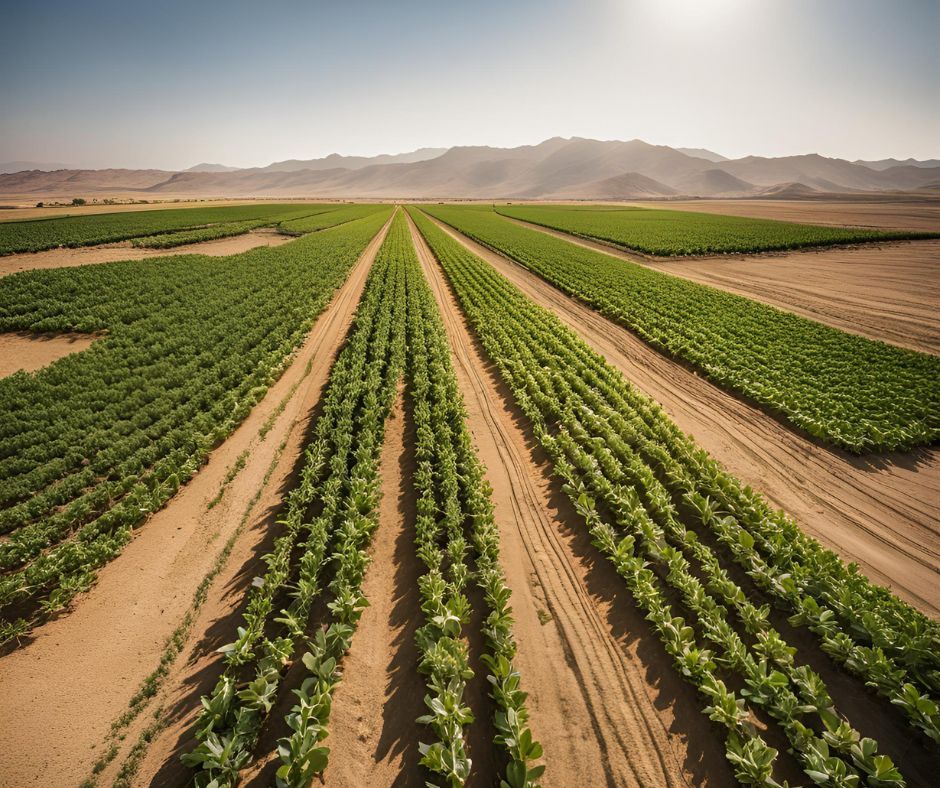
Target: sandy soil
{"points": [[109, 253], [898, 215], [881, 512], [34, 351], [374, 734], [888, 292], [603, 700], [87, 665]]}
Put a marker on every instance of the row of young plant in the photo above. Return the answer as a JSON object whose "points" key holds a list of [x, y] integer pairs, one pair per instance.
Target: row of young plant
{"points": [[299, 221], [92, 444], [857, 393], [669, 232], [457, 540], [35, 235], [321, 220], [226, 229], [320, 552], [620, 457]]}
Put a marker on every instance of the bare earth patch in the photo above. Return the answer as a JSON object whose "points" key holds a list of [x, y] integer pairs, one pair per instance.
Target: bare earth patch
{"points": [[109, 253], [30, 352]]}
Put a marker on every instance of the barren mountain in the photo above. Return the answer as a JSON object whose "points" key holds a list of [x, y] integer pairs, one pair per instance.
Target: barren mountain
{"points": [[884, 164], [556, 168], [703, 153], [207, 167], [335, 161]]}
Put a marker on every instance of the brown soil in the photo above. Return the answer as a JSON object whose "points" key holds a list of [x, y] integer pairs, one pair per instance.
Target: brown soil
{"points": [[893, 214], [109, 253], [87, 665], [885, 292], [34, 351], [881, 512], [603, 699], [374, 734]]}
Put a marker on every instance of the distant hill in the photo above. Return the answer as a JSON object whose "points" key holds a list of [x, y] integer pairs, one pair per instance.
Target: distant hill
{"points": [[206, 167], [703, 153], [557, 168], [24, 166], [334, 160], [884, 164]]}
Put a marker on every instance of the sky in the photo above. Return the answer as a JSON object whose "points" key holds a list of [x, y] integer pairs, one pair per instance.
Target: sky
{"points": [[101, 83]]}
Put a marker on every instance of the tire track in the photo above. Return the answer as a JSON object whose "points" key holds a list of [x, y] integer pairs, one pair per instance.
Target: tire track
{"points": [[603, 699], [881, 512]]}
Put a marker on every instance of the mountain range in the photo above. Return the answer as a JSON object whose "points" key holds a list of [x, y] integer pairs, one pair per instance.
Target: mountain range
{"points": [[558, 168]]}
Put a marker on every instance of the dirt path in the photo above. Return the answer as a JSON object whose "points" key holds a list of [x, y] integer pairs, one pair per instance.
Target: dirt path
{"points": [[86, 665], [30, 352], [880, 512], [374, 734], [603, 699], [885, 292], [914, 214], [109, 253]]}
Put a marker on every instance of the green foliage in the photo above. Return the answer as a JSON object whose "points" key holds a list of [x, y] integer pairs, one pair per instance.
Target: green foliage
{"points": [[94, 443], [455, 525], [37, 234], [857, 393], [325, 531], [667, 232], [336, 215], [653, 502]]}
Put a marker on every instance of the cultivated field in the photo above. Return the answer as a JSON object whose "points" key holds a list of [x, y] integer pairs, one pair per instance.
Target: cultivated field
{"points": [[443, 494]]}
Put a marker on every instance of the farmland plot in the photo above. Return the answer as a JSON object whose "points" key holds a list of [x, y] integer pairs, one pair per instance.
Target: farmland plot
{"points": [[670, 232], [37, 234], [97, 441], [652, 499], [328, 523], [851, 391]]}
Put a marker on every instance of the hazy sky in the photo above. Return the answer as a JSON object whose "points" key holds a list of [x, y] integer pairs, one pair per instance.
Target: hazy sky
{"points": [[168, 84]]}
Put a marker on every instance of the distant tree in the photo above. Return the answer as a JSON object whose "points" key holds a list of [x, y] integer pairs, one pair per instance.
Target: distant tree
{"points": [[39, 205], [78, 201]]}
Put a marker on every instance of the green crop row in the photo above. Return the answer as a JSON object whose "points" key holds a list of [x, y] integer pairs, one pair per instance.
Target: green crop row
{"points": [[705, 558], [225, 229], [91, 229], [669, 233], [92, 444], [321, 551], [343, 213], [855, 392], [457, 541]]}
